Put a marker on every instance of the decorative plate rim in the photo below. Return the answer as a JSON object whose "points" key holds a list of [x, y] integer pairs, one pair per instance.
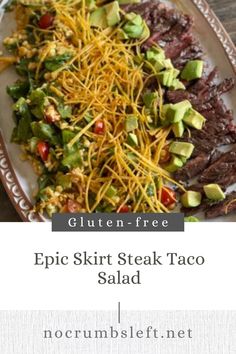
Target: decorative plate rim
{"points": [[13, 188], [8, 176]]}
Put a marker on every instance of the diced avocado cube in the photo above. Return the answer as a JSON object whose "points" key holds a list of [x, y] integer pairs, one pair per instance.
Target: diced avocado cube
{"points": [[132, 139], [98, 18], [155, 54], [168, 65], [176, 73], [178, 129], [166, 77], [174, 164], [113, 13], [182, 149], [177, 85], [131, 123], [159, 64], [191, 219], [163, 114], [191, 199], [133, 31], [145, 32], [149, 98], [214, 192], [192, 70], [111, 192], [176, 112], [194, 119], [134, 19], [184, 160]]}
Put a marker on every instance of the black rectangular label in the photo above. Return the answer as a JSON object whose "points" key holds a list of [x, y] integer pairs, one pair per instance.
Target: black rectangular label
{"points": [[104, 222]]}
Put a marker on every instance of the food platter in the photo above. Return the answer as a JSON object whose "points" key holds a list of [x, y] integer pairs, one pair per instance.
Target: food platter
{"points": [[18, 177]]}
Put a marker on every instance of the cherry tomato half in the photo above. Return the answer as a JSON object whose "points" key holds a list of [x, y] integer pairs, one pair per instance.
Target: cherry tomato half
{"points": [[72, 206], [43, 150], [46, 21], [124, 209], [99, 127], [168, 197]]}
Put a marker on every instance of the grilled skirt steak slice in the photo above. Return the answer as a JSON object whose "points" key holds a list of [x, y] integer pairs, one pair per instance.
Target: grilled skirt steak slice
{"points": [[225, 207], [222, 172], [192, 168], [209, 94]]}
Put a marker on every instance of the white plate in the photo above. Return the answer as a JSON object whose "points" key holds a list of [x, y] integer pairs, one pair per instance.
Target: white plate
{"points": [[18, 177]]}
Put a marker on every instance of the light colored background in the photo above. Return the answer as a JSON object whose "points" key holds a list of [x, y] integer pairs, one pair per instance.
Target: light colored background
{"points": [[22, 332], [27, 287]]}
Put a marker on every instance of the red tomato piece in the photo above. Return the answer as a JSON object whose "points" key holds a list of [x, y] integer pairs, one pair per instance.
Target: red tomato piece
{"points": [[99, 127], [124, 209], [168, 197], [72, 206], [43, 150], [46, 21]]}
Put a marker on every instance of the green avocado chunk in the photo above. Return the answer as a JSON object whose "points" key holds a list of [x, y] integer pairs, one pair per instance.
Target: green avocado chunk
{"points": [[194, 119], [191, 199], [131, 123], [176, 112], [106, 16], [174, 164], [149, 98], [154, 54], [135, 27], [167, 76], [214, 192], [112, 13], [181, 148], [178, 129], [177, 85], [192, 70], [191, 219], [98, 18]]}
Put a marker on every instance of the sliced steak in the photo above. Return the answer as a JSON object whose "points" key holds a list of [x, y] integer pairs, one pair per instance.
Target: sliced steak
{"points": [[192, 52], [225, 207], [192, 168], [222, 172], [199, 99], [203, 84], [193, 211]]}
